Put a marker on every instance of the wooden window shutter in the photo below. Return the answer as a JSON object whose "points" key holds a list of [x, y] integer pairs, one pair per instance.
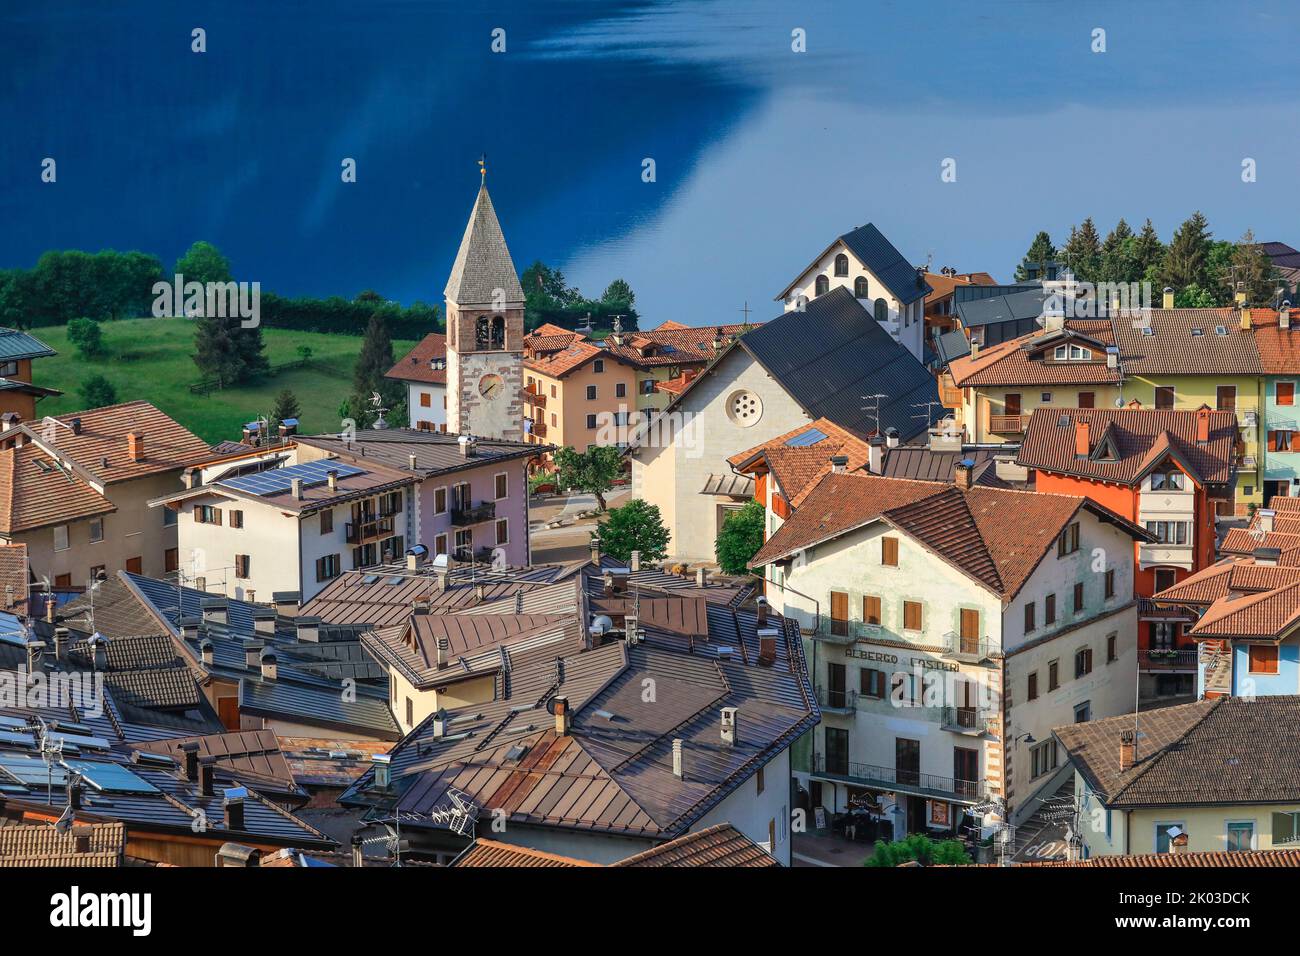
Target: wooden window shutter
{"points": [[889, 552], [1272, 441], [871, 609]]}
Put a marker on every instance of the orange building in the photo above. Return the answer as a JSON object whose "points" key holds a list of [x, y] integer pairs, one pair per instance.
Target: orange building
{"points": [[18, 396], [1162, 469], [576, 393]]}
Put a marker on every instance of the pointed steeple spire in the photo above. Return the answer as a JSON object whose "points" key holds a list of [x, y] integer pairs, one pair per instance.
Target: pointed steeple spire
{"points": [[483, 264]]}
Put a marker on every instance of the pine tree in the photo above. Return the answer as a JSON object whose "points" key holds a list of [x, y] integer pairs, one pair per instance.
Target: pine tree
{"points": [[1148, 250], [1117, 260], [1251, 271], [375, 359], [1082, 253], [286, 406], [1186, 260], [1041, 251]]}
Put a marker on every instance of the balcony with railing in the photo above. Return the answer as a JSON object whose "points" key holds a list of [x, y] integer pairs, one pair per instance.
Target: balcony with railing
{"points": [[537, 428], [834, 631], [901, 781], [970, 649], [967, 721], [837, 701], [464, 517], [1160, 659], [1008, 424], [369, 528], [534, 397]]}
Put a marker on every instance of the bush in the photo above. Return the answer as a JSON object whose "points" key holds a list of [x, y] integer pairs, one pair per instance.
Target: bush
{"points": [[920, 848], [87, 336], [740, 538], [97, 391], [636, 526]]}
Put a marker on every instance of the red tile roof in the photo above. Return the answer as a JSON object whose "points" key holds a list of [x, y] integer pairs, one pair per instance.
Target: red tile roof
{"points": [[557, 355], [997, 536], [718, 845], [417, 364], [1029, 359], [797, 468], [1270, 614], [36, 494], [490, 853], [1279, 350], [13, 577], [1215, 858], [941, 286], [43, 845], [678, 345], [1141, 439], [1174, 348]]}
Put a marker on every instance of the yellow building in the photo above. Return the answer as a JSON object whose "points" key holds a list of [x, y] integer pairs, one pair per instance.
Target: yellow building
{"points": [[1069, 364], [1211, 776], [666, 353], [1185, 358], [576, 393]]}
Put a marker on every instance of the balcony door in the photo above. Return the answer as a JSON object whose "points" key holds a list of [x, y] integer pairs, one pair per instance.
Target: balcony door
{"points": [[835, 685], [970, 631], [965, 770], [1013, 403], [839, 613], [907, 761], [837, 751]]}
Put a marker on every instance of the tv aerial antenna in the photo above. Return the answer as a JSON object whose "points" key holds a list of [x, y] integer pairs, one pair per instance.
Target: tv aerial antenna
{"points": [[873, 409]]}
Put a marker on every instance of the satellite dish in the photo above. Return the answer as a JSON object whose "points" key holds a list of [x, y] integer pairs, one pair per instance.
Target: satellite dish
{"points": [[1119, 402]]}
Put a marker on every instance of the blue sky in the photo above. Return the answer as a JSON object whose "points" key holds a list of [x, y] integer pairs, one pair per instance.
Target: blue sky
{"points": [[762, 155]]}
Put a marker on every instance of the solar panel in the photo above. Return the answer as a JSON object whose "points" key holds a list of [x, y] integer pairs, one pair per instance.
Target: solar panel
{"points": [[17, 740], [111, 777], [279, 480], [85, 742], [811, 437], [32, 772], [6, 721]]}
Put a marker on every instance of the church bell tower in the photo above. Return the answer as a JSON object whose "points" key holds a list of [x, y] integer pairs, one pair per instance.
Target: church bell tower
{"points": [[485, 331]]}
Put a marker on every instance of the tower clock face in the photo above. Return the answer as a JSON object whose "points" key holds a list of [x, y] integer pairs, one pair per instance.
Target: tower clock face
{"points": [[491, 386]]}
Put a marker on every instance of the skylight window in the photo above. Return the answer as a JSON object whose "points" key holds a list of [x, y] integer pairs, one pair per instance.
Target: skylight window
{"points": [[811, 437]]}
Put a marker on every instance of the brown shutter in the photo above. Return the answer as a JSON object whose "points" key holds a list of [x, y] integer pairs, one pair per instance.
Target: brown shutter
{"points": [[1272, 441], [871, 609], [889, 551], [839, 613]]}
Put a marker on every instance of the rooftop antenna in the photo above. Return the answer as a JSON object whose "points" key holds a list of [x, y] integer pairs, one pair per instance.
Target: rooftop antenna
{"points": [[928, 406], [745, 310], [51, 753], [874, 409]]}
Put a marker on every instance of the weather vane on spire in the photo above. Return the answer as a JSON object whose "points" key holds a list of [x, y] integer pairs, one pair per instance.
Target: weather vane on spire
{"points": [[482, 166]]}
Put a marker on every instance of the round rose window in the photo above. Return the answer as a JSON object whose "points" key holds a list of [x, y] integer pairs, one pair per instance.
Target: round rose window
{"points": [[744, 408]]}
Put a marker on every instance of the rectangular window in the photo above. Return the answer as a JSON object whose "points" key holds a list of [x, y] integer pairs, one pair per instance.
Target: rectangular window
{"points": [[410, 712], [911, 615], [1112, 648], [871, 609], [1110, 583], [1083, 712], [1082, 662], [1068, 542], [326, 521], [1087, 399], [1078, 598], [758, 778], [236, 519], [1030, 622], [503, 531], [328, 567], [426, 400], [1263, 659], [591, 421], [135, 565], [872, 683], [1031, 691], [1169, 532], [1053, 675], [1164, 396], [1049, 610], [169, 518], [1285, 393], [439, 501], [96, 529], [171, 561], [241, 565], [889, 552], [61, 537], [502, 486], [620, 390], [1225, 398], [839, 613], [440, 544], [1286, 827], [1045, 758], [591, 392], [598, 366], [1240, 835]]}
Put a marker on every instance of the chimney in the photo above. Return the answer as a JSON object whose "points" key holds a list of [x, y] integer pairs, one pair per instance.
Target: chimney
{"points": [[1178, 844], [440, 723], [415, 557], [1167, 298], [1265, 516], [1284, 316], [1112, 357], [595, 550], [1267, 557], [876, 455], [296, 487], [10, 419], [443, 652], [234, 808], [730, 731], [679, 770], [962, 474], [214, 610], [1203, 424], [767, 637], [701, 577], [264, 621], [288, 427], [760, 611], [891, 437], [189, 627], [974, 347], [253, 654], [357, 859], [135, 446], [635, 562], [270, 666], [206, 653], [1082, 438], [307, 630], [467, 446], [81, 838], [1126, 739], [286, 602], [839, 464], [98, 644], [207, 775], [190, 761], [51, 607], [631, 623], [480, 591], [239, 855], [607, 582], [61, 636], [383, 770], [74, 791], [1245, 319], [35, 656], [410, 461], [332, 479], [560, 708]]}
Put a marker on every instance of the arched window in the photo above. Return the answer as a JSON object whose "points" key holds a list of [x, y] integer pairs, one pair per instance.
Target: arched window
{"points": [[482, 334], [841, 265], [498, 338], [823, 285], [882, 310], [860, 287]]}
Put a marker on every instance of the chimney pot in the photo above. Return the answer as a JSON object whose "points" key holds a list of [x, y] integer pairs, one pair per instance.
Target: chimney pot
{"points": [[679, 770], [635, 562], [1203, 424], [839, 463], [730, 730], [595, 550], [332, 479], [1082, 438], [135, 446], [252, 653], [410, 461], [891, 437], [207, 774], [307, 629], [1245, 319], [440, 723], [270, 665], [760, 608], [563, 719], [876, 455], [234, 808], [296, 487], [206, 653], [76, 426], [190, 761], [444, 652], [1126, 746], [1265, 516], [1167, 298], [962, 474], [1284, 316], [767, 638], [35, 656], [357, 857], [701, 577]]}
